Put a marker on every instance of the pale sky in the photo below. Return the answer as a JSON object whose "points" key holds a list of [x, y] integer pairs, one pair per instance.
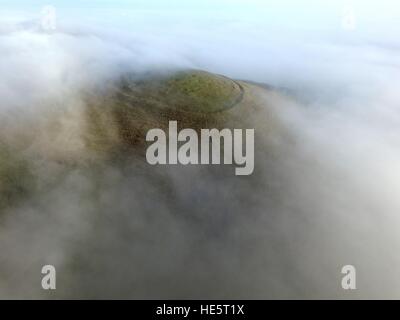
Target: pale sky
{"points": [[375, 20]]}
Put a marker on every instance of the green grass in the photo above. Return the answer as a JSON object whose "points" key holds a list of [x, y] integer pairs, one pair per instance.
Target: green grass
{"points": [[198, 91], [196, 99], [16, 179]]}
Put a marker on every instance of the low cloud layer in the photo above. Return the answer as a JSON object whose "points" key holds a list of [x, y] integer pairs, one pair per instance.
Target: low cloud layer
{"points": [[324, 192]]}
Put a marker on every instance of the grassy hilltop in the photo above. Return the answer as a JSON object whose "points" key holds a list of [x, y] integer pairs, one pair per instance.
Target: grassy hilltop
{"points": [[113, 123], [196, 99]]}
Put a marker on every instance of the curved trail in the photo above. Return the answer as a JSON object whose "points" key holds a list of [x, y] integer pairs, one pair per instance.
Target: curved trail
{"points": [[237, 101]]}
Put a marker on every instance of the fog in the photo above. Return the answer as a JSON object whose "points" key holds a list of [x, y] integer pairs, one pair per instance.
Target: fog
{"points": [[327, 168]]}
